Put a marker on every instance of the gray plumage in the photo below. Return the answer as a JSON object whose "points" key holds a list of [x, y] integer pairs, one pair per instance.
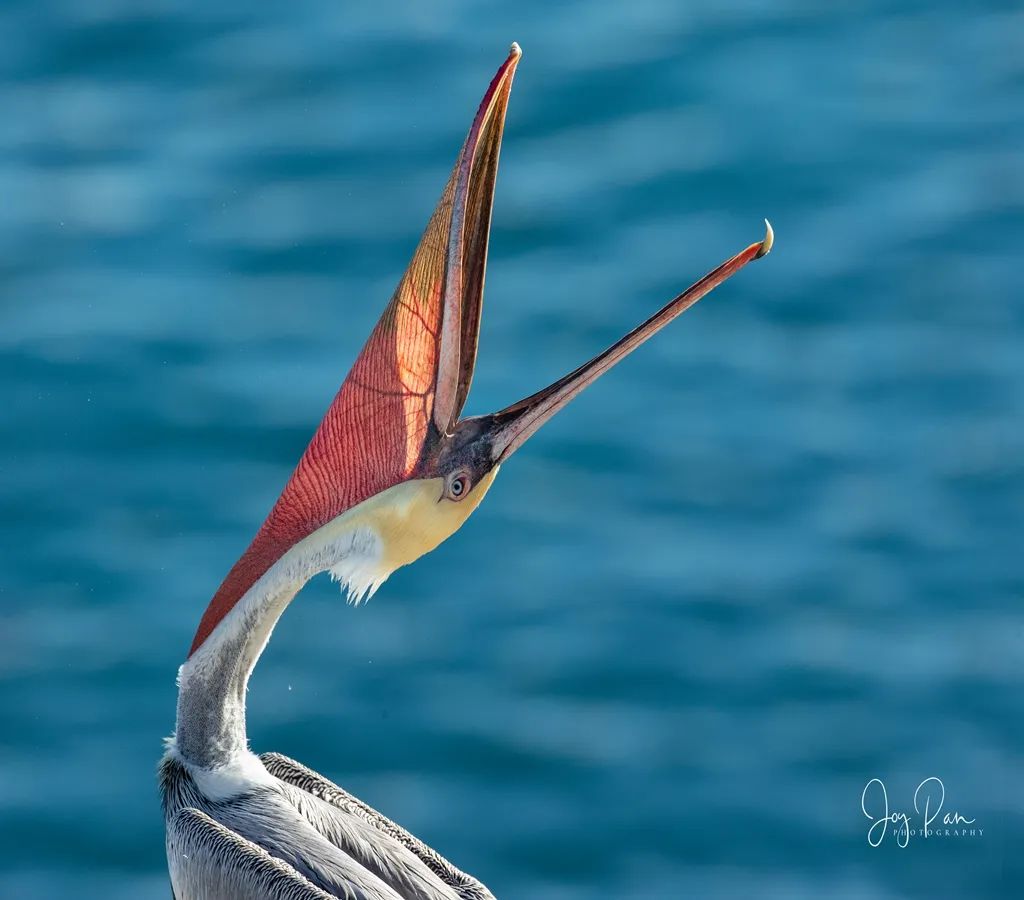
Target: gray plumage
{"points": [[300, 837]]}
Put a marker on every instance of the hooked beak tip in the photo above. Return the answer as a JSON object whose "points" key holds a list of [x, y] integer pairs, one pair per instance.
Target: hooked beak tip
{"points": [[515, 50], [768, 242]]}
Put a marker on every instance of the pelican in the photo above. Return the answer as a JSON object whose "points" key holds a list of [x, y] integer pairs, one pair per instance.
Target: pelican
{"points": [[391, 472]]}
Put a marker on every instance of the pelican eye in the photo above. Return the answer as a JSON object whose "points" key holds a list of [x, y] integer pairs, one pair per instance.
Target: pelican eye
{"points": [[458, 487]]}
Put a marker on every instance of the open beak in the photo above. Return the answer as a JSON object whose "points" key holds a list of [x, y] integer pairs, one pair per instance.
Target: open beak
{"points": [[510, 428], [449, 267]]}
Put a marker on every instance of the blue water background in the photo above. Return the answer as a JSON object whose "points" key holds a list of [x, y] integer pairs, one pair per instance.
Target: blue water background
{"points": [[775, 554]]}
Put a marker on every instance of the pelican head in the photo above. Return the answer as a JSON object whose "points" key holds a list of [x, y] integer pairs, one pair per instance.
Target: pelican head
{"points": [[394, 469]]}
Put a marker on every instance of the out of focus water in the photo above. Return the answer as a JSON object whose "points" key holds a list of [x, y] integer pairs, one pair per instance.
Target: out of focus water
{"points": [[774, 555]]}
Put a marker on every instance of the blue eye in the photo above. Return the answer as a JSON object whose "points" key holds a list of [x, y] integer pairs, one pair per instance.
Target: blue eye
{"points": [[458, 486]]}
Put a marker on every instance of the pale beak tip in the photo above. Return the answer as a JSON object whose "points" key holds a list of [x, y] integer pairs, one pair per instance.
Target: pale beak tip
{"points": [[769, 240], [515, 50]]}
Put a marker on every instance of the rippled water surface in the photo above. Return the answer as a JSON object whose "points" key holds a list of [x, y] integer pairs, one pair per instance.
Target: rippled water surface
{"points": [[775, 554]]}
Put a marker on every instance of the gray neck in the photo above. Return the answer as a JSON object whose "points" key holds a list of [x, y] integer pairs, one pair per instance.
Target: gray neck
{"points": [[213, 681]]}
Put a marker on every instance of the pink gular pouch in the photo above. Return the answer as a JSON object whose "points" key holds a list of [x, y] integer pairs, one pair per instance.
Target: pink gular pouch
{"points": [[396, 417]]}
